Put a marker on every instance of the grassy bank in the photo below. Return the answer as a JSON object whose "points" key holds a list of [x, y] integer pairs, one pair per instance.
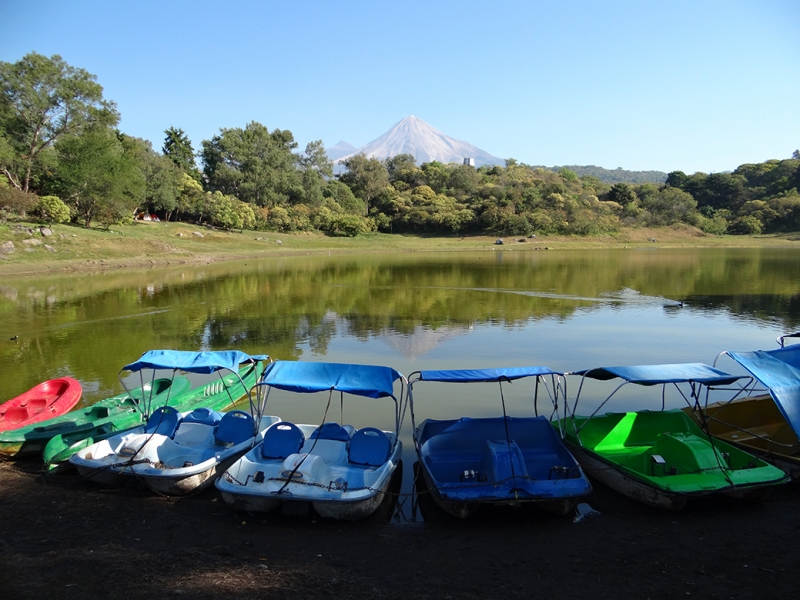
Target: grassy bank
{"points": [[72, 248]]}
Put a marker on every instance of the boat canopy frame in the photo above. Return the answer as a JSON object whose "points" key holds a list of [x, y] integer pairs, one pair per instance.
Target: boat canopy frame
{"points": [[204, 363], [555, 389], [777, 373], [368, 381], [693, 381]]}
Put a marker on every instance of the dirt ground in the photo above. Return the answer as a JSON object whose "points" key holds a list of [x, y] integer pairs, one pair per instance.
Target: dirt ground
{"points": [[61, 537]]}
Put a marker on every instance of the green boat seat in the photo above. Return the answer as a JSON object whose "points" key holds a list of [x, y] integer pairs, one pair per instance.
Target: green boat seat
{"points": [[282, 440], [234, 428], [369, 446]]}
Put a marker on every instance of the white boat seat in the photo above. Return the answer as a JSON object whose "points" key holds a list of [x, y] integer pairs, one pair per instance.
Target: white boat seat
{"points": [[234, 428], [369, 446], [282, 440], [164, 421]]}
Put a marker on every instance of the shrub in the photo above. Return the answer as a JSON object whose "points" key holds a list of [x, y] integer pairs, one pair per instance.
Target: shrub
{"points": [[52, 209]]}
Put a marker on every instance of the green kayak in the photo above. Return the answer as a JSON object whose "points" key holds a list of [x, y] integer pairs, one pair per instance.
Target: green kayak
{"points": [[217, 395], [112, 414]]}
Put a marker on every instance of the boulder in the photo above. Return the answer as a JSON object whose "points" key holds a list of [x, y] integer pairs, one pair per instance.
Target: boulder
{"points": [[45, 231], [197, 234], [7, 247], [32, 242]]}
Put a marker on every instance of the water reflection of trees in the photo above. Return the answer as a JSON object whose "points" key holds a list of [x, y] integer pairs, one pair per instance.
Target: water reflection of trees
{"points": [[90, 325]]}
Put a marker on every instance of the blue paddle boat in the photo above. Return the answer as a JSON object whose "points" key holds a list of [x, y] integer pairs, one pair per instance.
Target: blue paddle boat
{"points": [[469, 462]]}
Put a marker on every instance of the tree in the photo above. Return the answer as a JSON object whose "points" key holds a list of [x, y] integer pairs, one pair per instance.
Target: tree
{"points": [[162, 177], [366, 177], [315, 168], [43, 100], [178, 148], [622, 193], [98, 177], [254, 165]]}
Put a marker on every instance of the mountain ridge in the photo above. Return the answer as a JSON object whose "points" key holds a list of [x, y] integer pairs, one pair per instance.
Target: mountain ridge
{"points": [[414, 136]]}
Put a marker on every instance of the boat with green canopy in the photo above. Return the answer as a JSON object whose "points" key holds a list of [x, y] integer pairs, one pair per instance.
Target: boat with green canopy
{"points": [[661, 457], [218, 394]]}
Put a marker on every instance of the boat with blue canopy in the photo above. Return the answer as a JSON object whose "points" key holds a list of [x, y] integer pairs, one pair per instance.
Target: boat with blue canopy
{"points": [[661, 457], [182, 448], [764, 417], [342, 471], [471, 462]]}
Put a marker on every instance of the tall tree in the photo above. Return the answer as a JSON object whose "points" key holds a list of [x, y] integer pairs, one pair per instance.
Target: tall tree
{"points": [[315, 169], [41, 101], [98, 176], [178, 148], [253, 164], [366, 177]]}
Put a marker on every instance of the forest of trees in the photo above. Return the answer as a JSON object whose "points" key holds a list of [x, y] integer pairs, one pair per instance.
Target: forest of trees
{"points": [[63, 159]]}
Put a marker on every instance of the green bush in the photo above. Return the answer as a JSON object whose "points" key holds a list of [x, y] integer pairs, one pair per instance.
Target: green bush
{"points": [[52, 210]]}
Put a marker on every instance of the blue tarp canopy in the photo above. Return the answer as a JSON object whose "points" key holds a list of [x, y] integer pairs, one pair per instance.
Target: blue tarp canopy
{"points": [[192, 362], [779, 371], [308, 377], [657, 374], [476, 375]]}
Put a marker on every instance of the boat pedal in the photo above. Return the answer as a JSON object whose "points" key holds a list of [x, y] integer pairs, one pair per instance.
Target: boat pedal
{"points": [[188, 463], [469, 475], [658, 459], [258, 477], [291, 474], [128, 452]]}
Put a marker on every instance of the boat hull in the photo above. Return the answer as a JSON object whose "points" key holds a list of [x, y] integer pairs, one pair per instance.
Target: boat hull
{"points": [[325, 479], [112, 414], [467, 463], [755, 425], [49, 399], [214, 396], [662, 459]]}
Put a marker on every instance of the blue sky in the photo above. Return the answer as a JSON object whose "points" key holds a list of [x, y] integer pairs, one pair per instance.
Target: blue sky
{"points": [[691, 85]]}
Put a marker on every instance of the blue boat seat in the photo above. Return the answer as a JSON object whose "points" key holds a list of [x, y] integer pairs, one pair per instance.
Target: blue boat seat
{"points": [[282, 440], [234, 428], [501, 460], [204, 416], [369, 446], [163, 421], [331, 431]]}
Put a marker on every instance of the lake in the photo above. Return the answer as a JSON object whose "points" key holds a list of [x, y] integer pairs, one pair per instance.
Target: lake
{"points": [[568, 310]]}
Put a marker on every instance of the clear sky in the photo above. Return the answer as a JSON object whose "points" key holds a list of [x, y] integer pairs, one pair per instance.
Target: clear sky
{"points": [[695, 85]]}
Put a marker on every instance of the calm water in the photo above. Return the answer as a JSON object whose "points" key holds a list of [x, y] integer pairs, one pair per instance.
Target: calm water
{"points": [[568, 310]]}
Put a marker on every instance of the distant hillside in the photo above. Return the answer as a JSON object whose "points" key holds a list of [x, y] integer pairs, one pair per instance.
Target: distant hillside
{"points": [[619, 175], [426, 143]]}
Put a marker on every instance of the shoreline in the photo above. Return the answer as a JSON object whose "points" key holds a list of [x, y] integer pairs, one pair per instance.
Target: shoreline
{"points": [[162, 245]]}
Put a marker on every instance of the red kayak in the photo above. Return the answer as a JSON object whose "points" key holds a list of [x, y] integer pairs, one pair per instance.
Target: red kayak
{"points": [[49, 399]]}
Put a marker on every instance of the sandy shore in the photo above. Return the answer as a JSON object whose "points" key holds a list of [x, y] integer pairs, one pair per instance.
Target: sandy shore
{"points": [[61, 537]]}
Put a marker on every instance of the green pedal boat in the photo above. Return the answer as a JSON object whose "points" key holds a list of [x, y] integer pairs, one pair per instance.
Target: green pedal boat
{"points": [[217, 395], [111, 414], [662, 458]]}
